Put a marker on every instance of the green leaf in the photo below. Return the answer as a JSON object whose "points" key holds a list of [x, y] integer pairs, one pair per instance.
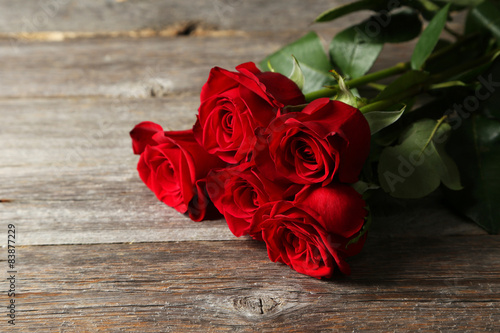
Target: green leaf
{"points": [[429, 38], [476, 148], [399, 27], [485, 16], [418, 164], [313, 60], [401, 84], [381, 119], [353, 53], [355, 49], [349, 8], [297, 76]]}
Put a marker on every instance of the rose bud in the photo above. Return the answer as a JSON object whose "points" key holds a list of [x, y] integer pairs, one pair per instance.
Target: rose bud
{"points": [[234, 104], [327, 139], [311, 234], [174, 166]]}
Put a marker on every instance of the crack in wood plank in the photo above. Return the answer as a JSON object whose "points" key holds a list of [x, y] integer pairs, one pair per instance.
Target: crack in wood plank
{"points": [[182, 29]]}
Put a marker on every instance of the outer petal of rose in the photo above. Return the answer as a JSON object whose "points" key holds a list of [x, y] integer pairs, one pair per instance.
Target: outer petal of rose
{"points": [[149, 174], [217, 82], [341, 208], [262, 112], [282, 88], [221, 80], [201, 161], [142, 135], [250, 71]]}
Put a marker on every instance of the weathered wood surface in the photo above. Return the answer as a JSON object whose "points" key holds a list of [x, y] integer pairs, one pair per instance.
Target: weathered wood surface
{"points": [[128, 15], [134, 68], [405, 284], [116, 259]]}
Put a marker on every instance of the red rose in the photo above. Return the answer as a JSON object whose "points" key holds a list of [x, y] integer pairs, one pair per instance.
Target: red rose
{"points": [[234, 104], [311, 233], [174, 166], [239, 191], [327, 139]]}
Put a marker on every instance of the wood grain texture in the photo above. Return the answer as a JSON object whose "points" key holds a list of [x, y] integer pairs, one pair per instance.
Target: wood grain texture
{"points": [[69, 174], [134, 68], [139, 68], [112, 15], [405, 284]]}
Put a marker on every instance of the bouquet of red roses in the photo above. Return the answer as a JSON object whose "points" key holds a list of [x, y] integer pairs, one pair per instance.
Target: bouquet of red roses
{"points": [[276, 168], [286, 155]]}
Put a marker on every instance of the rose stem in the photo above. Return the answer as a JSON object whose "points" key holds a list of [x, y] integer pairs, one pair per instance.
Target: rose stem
{"points": [[422, 87], [375, 76], [384, 73]]}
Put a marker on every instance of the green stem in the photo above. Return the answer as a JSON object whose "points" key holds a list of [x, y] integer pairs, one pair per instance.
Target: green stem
{"points": [[434, 131], [465, 67], [387, 103], [461, 41], [430, 82], [376, 76], [372, 77], [377, 86], [391, 71]]}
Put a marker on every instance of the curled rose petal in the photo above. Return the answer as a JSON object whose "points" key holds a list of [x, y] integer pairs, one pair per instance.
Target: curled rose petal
{"points": [[342, 208]]}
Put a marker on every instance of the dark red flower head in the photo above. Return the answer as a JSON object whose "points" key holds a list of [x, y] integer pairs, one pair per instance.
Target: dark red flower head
{"points": [[235, 104]]}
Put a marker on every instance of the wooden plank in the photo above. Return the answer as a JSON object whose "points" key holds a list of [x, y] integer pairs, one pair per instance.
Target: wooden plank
{"points": [[398, 284], [68, 176], [134, 68], [123, 15]]}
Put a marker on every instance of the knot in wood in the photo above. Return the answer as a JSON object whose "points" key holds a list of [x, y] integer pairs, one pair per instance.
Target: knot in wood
{"points": [[257, 305]]}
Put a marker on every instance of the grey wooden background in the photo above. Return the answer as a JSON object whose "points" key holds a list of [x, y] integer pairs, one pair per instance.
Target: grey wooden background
{"points": [[97, 252]]}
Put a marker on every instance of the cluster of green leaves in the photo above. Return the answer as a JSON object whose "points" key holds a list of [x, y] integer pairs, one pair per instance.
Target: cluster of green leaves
{"points": [[409, 156]]}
